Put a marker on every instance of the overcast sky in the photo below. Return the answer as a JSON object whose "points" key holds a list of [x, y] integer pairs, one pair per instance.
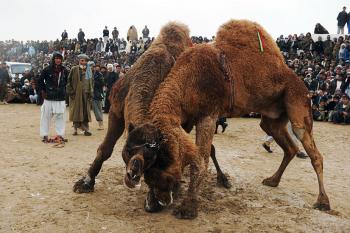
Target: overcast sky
{"points": [[46, 19]]}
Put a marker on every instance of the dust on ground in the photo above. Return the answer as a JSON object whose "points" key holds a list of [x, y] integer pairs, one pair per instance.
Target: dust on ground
{"points": [[36, 183]]}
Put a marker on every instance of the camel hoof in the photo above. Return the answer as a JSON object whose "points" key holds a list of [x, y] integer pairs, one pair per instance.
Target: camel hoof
{"points": [[187, 210], [151, 204], [81, 186], [322, 206], [270, 182], [223, 181]]}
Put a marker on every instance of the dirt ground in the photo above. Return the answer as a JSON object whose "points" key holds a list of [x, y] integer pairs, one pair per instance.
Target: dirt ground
{"points": [[36, 184]]}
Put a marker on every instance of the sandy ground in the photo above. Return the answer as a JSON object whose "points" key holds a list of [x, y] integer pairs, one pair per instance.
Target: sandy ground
{"points": [[36, 184]]}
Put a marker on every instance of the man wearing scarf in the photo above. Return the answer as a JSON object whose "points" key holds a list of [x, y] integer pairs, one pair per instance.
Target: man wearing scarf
{"points": [[80, 91], [52, 84]]}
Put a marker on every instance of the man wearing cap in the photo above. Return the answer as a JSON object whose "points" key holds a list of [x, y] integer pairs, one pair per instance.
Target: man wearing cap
{"points": [[4, 80], [80, 91], [52, 84]]}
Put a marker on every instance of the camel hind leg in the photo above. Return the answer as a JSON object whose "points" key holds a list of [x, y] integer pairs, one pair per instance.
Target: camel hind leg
{"points": [[277, 129], [301, 119], [116, 127]]}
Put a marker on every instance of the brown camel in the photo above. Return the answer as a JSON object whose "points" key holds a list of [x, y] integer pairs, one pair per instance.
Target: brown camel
{"points": [[132, 95], [231, 77]]}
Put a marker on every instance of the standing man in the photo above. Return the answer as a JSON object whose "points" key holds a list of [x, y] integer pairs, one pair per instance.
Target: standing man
{"points": [[98, 96], [115, 34], [105, 36], [52, 84], [4, 80], [64, 35], [110, 79], [342, 20], [145, 32], [80, 91], [81, 36]]}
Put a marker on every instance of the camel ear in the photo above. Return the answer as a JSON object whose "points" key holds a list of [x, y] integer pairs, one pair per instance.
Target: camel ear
{"points": [[131, 127]]}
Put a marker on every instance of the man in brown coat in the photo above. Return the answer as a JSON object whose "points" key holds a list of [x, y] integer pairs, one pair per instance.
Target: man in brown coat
{"points": [[80, 91]]}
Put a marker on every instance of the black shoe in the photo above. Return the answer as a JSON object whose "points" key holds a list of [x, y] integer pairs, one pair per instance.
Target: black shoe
{"points": [[267, 148], [301, 155], [87, 133], [45, 139], [224, 126]]}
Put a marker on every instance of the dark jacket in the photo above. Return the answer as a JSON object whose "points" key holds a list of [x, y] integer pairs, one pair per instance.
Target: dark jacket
{"points": [[145, 32], [328, 46], [333, 86], [339, 108], [48, 85], [110, 79], [115, 33], [81, 36], [318, 47], [64, 35], [98, 86], [345, 85], [4, 76], [319, 29], [342, 18], [105, 32]]}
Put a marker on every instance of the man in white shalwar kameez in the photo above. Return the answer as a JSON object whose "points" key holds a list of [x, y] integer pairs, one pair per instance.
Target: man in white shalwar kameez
{"points": [[52, 84]]}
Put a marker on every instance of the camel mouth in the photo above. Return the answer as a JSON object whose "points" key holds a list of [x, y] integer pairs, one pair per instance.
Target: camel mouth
{"points": [[132, 182], [167, 202]]}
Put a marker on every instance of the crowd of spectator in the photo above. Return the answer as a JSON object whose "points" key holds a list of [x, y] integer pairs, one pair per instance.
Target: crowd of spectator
{"points": [[323, 65]]}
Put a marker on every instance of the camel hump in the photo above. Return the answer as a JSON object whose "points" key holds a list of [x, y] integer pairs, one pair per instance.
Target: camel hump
{"points": [[172, 31], [246, 35]]}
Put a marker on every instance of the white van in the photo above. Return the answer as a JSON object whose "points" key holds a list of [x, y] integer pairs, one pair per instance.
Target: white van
{"points": [[17, 68]]}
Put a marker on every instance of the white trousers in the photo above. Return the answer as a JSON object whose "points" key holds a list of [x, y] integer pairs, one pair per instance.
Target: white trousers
{"points": [[340, 30], [105, 39], [51, 109], [33, 98]]}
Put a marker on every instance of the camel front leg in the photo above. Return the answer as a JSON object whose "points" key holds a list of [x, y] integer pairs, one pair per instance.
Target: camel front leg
{"points": [[198, 157], [115, 130]]}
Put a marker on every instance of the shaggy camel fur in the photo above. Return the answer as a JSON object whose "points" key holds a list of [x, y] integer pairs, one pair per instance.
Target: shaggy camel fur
{"points": [[230, 77], [132, 95]]}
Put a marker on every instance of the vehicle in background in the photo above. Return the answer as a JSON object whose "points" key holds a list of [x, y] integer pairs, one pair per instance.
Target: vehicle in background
{"points": [[17, 68]]}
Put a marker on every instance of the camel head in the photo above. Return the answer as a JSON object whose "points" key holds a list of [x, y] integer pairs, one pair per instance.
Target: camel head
{"points": [[140, 152]]}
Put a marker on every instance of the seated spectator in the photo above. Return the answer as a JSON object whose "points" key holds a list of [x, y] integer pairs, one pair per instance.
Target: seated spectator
{"points": [[33, 94], [341, 113], [322, 108], [315, 113], [319, 29], [343, 53], [331, 103], [346, 83]]}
